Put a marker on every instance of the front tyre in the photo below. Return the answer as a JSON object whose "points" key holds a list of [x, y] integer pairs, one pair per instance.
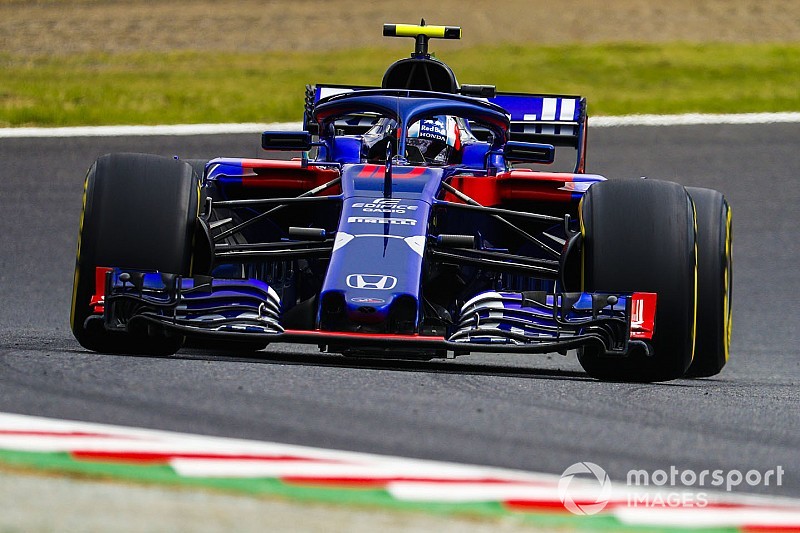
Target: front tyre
{"points": [[139, 212], [714, 282], [639, 235]]}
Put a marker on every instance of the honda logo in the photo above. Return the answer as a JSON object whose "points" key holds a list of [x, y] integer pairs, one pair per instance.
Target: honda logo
{"points": [[371, 281]]}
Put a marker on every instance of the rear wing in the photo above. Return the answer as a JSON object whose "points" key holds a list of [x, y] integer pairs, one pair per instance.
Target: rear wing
{"points": [[559, 120], [544, 118]]}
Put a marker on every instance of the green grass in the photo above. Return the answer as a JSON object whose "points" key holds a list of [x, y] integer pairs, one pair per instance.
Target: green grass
{"points": [[193, 87]]}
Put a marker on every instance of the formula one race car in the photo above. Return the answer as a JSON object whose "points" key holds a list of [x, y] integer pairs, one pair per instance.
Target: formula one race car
{"points": [[412, 224]]}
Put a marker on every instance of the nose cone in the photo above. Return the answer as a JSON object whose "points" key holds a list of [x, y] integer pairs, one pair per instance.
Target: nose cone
{"points": [[398, 314], [387, 313], [367, 309], [372, 283]]}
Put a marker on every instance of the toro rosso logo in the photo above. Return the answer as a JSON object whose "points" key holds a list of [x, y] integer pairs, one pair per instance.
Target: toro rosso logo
{"points": [[367, 300], [377, 282]]}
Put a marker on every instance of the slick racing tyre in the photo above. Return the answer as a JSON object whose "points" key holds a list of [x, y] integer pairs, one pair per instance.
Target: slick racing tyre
{"points": [[638, 235], [139, 212], [198, 165], [714, 282]]}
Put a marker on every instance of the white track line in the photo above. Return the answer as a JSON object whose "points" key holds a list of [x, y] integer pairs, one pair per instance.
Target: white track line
{"points": [[37, 434], [692, 119]]}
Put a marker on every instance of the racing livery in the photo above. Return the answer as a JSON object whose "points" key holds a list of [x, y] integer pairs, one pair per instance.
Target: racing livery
{"points": [[416, 220]]}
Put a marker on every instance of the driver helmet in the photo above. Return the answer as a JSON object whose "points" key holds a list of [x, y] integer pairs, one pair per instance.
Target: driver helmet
{"points": [[437, 138]]}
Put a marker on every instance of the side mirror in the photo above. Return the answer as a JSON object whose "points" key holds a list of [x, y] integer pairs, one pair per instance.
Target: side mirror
{"points": [[294, 141], [478, 91], [522, 152]]}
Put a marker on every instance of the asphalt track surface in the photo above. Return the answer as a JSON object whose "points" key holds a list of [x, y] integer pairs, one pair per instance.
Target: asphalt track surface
{"points": [[536, 413]]}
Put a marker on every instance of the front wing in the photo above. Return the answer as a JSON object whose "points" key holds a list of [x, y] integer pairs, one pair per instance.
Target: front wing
{"points": [[249, 310]]}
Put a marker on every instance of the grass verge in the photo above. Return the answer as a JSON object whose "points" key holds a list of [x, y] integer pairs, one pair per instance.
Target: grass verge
{"points": [[195, 87]]}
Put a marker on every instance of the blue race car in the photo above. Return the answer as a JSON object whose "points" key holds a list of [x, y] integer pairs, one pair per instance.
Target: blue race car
{"points": [[416, 222]]}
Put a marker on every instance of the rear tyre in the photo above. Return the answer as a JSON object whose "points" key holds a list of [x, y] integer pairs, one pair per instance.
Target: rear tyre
{"points": [[714, 282], [139, 212], [638, 235]]}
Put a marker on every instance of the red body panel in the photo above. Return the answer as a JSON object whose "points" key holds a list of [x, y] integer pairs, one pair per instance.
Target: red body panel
{"points": [[98, 298], [520, 184], [284, 175], [643, 315]]}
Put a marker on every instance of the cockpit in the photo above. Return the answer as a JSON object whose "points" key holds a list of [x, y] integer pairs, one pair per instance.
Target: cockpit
{"points": [[437, 140]]}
